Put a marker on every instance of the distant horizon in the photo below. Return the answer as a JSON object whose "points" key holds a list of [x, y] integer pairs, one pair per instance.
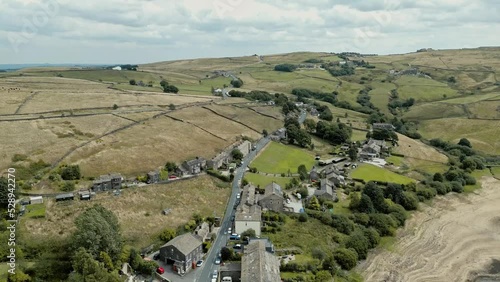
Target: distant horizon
{"points": [[3, 66]]}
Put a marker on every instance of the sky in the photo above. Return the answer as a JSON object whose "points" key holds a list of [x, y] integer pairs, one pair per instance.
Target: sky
{"points": [[143, 31]]}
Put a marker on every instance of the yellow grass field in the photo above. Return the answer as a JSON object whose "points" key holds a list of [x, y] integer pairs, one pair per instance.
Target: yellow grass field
{"points": [[146, 146], [139, 209], [49, 139], [217, 125], [419, 155], [248, 117]]}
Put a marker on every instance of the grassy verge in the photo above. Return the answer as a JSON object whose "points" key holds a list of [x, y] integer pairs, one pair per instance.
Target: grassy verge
{"points": [[263, 180], [370, 172], [35, 211], [279, 158]]}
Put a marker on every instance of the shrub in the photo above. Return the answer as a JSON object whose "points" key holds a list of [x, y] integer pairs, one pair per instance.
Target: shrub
{"points": [[346, 258], [456, 186], [342, 223], [303, 217], [358, 242]]}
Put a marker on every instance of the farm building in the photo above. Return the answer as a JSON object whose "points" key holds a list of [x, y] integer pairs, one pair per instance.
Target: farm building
{"points": [[85, 195], [245, 147], [36, 200], [183, 252], [65, 197], [194, 166], [326, 190], [313, 175], [386, 126], [333, 174]]}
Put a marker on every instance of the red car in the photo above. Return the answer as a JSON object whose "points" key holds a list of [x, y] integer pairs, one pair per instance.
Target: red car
{"points": [[160, 270]]}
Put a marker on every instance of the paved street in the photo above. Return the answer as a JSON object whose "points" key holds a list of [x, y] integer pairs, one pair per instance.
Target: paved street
{"points": [[204, 273]]}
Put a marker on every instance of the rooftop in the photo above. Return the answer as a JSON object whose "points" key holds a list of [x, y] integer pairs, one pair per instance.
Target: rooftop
{"points": [[258, 265], [273, 188], [185, 243]]}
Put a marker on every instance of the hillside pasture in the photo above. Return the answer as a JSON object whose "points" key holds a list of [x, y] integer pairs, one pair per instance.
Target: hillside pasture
{"points": [[473, 98], [279, 158], [139, 209], [423, 89], [145, 147], [217, 125], [50, 139], [419, 156], [483, 134], [369, 172], [434, 110], [485, 110], [247, 117], [261, 180]]}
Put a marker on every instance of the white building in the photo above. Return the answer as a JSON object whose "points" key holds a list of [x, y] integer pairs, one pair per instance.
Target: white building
{"points": [[248, 214], [36, 200], [117, 68]]}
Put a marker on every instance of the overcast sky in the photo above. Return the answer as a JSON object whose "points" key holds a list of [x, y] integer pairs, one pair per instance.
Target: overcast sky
{"points": [[141, 31]]}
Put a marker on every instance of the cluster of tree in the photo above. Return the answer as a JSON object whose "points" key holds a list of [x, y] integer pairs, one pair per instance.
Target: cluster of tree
{"points": [[363, 99], [363, 64], [70, 172], [303, 93], [171, 167], [285, 67], [461, 150], [303, 173], [339, 70], [289, 107], [402, 126], [313, 61], [335, 133], [237, 83], [168, 88], [324, 113], [253, 95], [382, 134], [396, 103], [295, 134], [237, 155]]}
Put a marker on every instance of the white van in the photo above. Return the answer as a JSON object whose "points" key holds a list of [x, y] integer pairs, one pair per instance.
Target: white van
{"points": [[227, 279]]}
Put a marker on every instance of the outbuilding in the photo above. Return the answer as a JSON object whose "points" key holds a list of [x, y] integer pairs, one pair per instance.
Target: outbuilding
{"points": [[36, 200]]}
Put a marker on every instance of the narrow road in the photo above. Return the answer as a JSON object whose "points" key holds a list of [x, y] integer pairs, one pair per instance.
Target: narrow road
{"points": [[204, 273]]}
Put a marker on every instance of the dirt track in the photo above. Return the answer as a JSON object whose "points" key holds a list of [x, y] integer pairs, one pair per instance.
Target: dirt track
{"points": [[458, 235]]}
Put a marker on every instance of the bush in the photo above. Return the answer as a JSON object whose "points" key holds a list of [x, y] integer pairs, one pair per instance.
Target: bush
{"points": [[456, 186], [71, 172], [383, 223], [303, 217], [358, 242], [342, 223], [346, 258], [68, 186], [237, 83], [409, 201], [426, 193], [285, 67]]}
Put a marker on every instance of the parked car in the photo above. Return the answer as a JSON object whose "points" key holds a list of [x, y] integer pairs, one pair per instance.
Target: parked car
{"points": [[160, 270], [199, 263], [227, 279], [217, 260], [232, 218], [156, 256], [237, 246], [215, 274], [229, 230]]}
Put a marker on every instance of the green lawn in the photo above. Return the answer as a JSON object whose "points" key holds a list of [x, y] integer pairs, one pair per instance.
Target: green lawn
{"points": [[263, 180], [423, 89], [358, 135], [496, 171], [369, 172], [342, 206], [279, 158], [35, 210], [397, 161]]}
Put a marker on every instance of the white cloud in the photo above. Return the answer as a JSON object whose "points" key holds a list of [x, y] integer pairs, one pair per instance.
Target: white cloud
{"points": [[152, 30]]}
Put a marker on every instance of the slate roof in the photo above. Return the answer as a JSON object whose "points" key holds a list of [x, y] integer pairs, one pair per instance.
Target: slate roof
{"points": [[185, 243], [273, 189], [258, 265]]}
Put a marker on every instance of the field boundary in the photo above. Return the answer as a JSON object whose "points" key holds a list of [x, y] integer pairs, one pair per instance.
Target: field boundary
{"points": [[221, 115], [195, 125], [27, 99]]}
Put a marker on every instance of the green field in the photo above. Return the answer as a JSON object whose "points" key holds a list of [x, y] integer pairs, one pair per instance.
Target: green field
{"points": [[423, 89], [35, 211], [478, 174], [279, 158], [369, 172], [434, 110], [473, 98], [263, 180], [397, 161], [358, 135], [496, 171]]}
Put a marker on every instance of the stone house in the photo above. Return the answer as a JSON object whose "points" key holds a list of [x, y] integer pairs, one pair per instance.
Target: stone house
{"points": [[248, 213], [333, 174], [259, 265], [203, 232], [326, 190], [386, 126], [107, 182], [153, 176], [273, 198], [194, 166], [183, 252]]}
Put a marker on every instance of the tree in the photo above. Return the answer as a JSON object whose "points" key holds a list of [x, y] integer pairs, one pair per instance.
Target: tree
{"points": [[19, 276], [310, 125], [237, 83], [314, 203], [323, 276], [457, 187], [115, 106], [68, 186], [346, 258], [302, 170], [88, 269], [163, 83], [409, 201], [265, 133], [250, 233], [365, 204], [438, 177], [326, 115], [170, 89], [236, 154], [465, 142], [106, 260], [132, 82], [358, 242], [171, 107], [171, 166], [167, 234], [376, 196], [353, 153], [71, 172], [226, 253], [342, 223], [98, 230], [303, 217]]}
